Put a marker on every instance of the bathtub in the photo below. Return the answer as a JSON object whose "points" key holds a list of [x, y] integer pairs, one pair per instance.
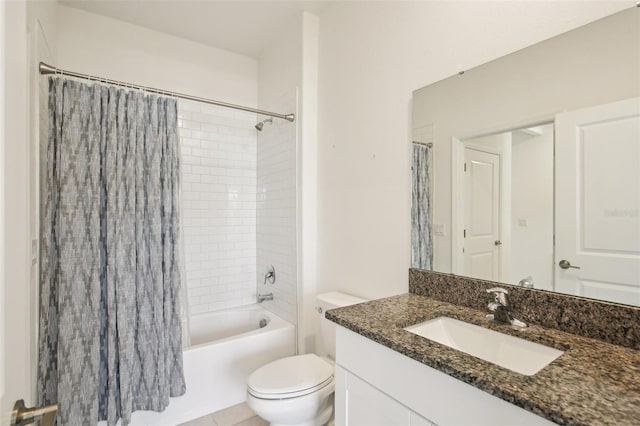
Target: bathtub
{"points": [[226, 346]]}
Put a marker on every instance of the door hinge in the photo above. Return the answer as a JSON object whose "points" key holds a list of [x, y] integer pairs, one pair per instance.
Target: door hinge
{"points": [[464, 233], [465, 167], [463, 249]]}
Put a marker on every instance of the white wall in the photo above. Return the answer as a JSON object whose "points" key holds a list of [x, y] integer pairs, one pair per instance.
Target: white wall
{"points": [[308, 185], [280, 64], [97, 45], [218, 147], [532, 201], [372, 56]]}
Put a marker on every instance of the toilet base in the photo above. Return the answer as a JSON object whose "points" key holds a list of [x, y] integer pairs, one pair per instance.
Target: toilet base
{"points": [[314, 409], [321, 420]]}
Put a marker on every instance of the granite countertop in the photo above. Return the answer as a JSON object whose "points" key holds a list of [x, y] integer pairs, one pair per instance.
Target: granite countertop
{"points": [[592, 383]]}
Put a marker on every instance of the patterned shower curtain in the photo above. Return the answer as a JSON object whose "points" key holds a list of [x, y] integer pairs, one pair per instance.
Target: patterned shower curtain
{"points": [[421, 237], [110, 330]]}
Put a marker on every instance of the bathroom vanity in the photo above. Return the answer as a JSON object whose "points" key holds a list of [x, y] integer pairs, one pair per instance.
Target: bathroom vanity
{"points": [[388, 375], [510, 183], [387, 388]]}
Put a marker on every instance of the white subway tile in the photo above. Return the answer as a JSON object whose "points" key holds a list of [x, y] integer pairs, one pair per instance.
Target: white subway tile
{"points": [[189, 124], [218, 275], [276, 210]]}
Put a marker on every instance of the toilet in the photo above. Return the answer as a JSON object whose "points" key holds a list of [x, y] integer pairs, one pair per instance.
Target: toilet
{"points": [[298, 390]]}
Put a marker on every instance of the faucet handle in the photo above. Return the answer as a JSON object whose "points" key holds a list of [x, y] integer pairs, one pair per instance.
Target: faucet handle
{"points": [[501, 295]]}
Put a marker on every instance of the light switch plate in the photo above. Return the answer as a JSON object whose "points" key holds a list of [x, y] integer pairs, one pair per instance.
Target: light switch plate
{"points": [[34, 251]]}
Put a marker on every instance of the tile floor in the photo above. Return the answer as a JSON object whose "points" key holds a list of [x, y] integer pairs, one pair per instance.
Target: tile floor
{"points": [[236, 415]]}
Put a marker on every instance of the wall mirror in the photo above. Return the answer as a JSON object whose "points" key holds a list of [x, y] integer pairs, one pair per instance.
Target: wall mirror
{"points": [[526, 170]]}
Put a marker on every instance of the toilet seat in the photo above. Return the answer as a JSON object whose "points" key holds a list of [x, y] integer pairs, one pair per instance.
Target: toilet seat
{"points": [[290, 377]]}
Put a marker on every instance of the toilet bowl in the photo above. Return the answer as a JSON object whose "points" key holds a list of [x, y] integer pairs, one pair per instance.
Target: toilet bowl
{"points": [[293, 391], [298, 390]]}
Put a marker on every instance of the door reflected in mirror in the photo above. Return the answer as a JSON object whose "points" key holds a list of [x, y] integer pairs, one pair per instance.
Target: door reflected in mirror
{"points": [[505, 206]]}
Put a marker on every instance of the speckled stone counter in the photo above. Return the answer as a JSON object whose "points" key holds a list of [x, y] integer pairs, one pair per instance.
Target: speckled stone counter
{"points": [[592, 383], [607, 321]]}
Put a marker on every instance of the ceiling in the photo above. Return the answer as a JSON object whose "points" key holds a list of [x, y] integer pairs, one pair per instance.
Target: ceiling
{"points": [[239, 26]]}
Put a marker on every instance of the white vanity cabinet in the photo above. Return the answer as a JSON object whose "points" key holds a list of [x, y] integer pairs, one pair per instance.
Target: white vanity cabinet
{"points": [[378, 386]]}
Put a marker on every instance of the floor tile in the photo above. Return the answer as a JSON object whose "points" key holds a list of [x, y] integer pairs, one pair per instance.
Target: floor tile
{"points": [[201, 421], [233, 415], [253, 421]]}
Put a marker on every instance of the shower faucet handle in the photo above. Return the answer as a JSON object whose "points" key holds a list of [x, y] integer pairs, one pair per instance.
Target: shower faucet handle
{"points": [[270, 276]]}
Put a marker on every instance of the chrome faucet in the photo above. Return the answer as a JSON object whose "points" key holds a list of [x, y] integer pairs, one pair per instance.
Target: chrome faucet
{"points": [[263, 297], [501, 307]]}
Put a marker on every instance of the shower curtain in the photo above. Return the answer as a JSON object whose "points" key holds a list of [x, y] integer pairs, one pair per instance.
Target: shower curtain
{"points": [[110, 330], [421, 237]]}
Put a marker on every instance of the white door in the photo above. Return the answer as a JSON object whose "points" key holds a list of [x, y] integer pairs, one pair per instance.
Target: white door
{"points": [[16, 328], [481, 232], [598, 202]]}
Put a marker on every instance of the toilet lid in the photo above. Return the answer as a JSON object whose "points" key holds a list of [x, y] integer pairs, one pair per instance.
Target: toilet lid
{"points": [[290, 377]]}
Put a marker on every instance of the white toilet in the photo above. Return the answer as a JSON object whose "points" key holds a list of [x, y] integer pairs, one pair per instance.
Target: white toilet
{"points": [[298, 390]]}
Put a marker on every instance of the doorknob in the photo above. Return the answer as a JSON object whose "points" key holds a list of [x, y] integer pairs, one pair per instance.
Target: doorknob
{"points": [[565, 264], [22, 415], [497, 243]]}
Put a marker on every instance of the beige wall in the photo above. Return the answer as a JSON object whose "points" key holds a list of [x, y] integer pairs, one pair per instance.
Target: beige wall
{"points": [[592, 65]]}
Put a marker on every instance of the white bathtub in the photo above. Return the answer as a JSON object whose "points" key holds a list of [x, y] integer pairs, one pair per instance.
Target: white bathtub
{"points": [[226, 346]]}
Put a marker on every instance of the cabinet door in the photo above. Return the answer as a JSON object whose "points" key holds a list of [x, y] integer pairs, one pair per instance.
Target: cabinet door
{"points": [[340, 396], [367, 406]]}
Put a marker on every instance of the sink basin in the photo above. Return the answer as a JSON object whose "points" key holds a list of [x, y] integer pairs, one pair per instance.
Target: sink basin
{"points": [[519, 355]]}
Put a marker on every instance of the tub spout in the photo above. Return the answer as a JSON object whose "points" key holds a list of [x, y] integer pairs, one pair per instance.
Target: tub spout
{"points": [[263, 297]]}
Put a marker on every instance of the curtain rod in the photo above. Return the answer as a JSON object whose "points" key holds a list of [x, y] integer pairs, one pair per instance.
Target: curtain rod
{"points": [[429, 144], [48, 69]]}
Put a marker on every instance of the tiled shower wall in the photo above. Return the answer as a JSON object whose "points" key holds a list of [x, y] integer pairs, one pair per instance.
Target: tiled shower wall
{"points": [[218, 147], [276, 210]]}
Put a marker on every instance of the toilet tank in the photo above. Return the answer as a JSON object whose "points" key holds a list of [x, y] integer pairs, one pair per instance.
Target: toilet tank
{"points": [[326, 331]]}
